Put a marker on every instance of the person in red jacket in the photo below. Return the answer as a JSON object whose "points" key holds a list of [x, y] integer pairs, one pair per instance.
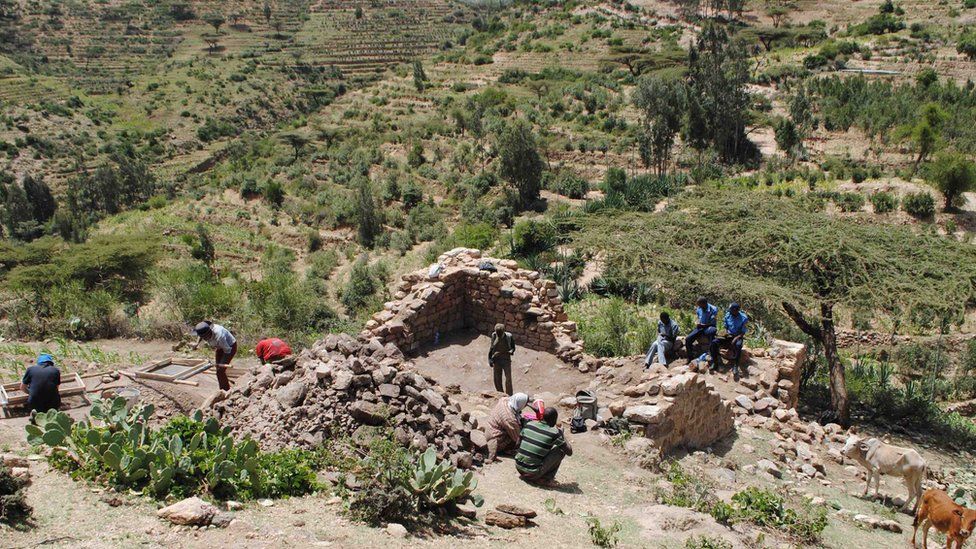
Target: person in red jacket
{"points": [[271, 349]]}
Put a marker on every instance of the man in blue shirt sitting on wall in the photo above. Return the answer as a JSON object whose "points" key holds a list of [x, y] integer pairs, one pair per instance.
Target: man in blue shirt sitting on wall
{"points": [[706, 314], [735, 328]]}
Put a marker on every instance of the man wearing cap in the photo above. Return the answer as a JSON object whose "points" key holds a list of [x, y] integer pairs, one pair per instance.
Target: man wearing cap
{"points": [[735, 328], [270, 349], [223, 342], [500, 357], [41, 385], [706, 314]]}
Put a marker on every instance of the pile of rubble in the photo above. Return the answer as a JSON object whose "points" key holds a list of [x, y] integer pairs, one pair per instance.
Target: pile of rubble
{"points": [[343, 386], [465, 290]]}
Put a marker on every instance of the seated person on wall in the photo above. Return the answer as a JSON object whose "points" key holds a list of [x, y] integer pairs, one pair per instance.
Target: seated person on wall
{"points": [[735, 327], [541, 450], [41, 383], [706, 314], [271, 349], [504, 425], [667, 335]]}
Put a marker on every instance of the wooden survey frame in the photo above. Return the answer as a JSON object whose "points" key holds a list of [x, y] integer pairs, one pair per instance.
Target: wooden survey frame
{"points": [[194, 367], [11, 395]]}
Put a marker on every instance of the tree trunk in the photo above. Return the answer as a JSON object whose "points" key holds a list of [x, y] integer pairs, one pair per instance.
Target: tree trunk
{"points": [[838, 381], [826, 335]]}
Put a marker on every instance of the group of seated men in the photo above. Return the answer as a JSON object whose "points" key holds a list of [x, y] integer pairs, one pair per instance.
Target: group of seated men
{"points": [[706, 316]]}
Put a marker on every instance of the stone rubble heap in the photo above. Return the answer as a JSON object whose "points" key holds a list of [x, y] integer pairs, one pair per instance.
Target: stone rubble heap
{"points": [[458, 294], [341, 386]]}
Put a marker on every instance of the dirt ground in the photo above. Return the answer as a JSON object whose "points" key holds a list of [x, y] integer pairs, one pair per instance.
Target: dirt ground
{"points": [[598, 481]]}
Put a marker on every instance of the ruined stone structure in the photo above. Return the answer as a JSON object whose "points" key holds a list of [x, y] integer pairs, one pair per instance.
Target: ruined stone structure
{"points": [[677, 409], [462, 292], [343, 385]]}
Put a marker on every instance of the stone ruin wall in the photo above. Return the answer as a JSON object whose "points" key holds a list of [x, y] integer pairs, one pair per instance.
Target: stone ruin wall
{"points": [[342, 384], [678, 407], [463, 296], [677, 410]]}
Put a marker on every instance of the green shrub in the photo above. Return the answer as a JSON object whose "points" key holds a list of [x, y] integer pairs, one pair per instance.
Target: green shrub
{"points": [[397, 487], [570, 185], [603, 536], [850, 202], [283, 302], [612, 327], [194, 293], [531, 237], [967, 44], [920, 205], [314, 241], [969, 358], [884, 202], [187, 456], [274, 194], [362, 285], [412, 195], [14, 509], [764, 508], [477, 235]]}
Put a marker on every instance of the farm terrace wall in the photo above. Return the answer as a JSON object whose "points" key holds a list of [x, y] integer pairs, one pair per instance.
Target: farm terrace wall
{"points": [[459, 294]]}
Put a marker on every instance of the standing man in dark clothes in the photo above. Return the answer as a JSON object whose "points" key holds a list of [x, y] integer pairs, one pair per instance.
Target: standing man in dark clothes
{"points": [[225, 348], [541, 450], [41, 385], [500, 357], [707, 314]]}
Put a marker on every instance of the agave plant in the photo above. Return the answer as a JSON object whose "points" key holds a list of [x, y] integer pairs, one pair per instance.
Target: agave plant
{"points": [[438, 483]]}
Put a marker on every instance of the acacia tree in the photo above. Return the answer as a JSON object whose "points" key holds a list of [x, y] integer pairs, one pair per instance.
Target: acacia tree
{"points": [[783, 261], [660, 102], [520, 162]]}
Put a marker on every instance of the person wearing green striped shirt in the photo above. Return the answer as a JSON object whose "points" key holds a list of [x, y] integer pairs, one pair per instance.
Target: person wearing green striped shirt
{"points": [[541, 450]]}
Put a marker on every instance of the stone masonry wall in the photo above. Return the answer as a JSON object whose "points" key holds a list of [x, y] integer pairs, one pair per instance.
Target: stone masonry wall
{"points": [[676, 409], [461, 295]]}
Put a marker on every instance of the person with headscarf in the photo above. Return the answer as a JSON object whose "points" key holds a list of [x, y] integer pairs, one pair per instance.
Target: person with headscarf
{"points": [[225, 348], [41, 383], [500, 357], [503, 425]]}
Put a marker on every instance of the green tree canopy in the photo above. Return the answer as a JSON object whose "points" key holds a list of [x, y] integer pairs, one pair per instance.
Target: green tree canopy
{"points": [[953, 174], [521, 163], [771, 253]]}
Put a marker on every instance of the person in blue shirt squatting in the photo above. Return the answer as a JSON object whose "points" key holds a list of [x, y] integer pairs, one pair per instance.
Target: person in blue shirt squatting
{"points": [[706, 314], [735, 328]]}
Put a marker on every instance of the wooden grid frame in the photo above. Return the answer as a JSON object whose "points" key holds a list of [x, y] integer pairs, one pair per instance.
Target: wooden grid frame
{"points": [[11, 395], [193, 367]]}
